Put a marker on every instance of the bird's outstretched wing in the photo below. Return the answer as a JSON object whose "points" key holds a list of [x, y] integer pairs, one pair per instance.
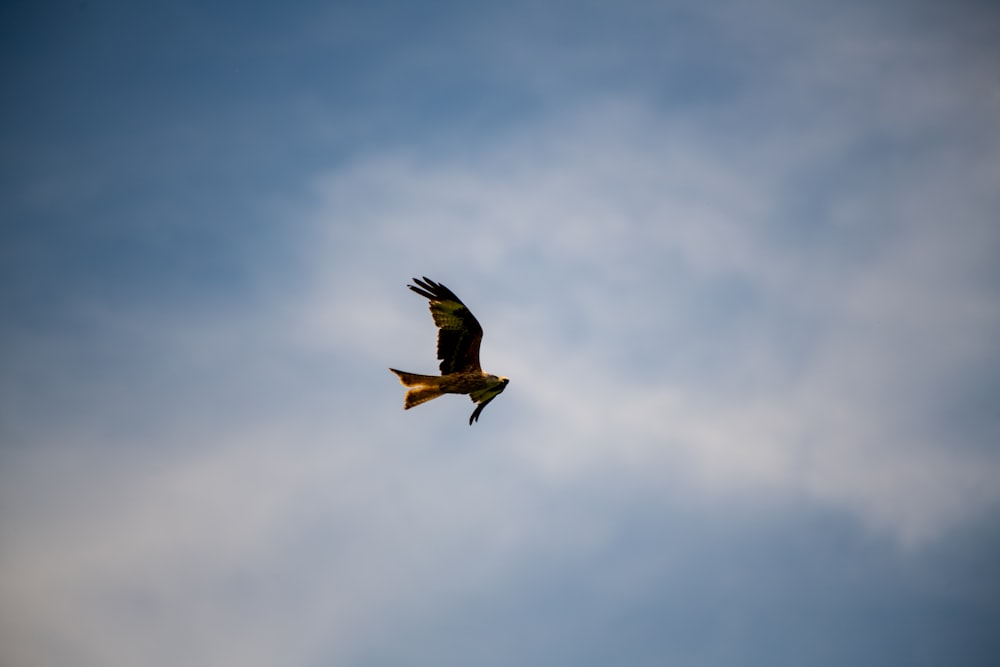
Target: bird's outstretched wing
{"points": [[459, 333], [483, 399]]}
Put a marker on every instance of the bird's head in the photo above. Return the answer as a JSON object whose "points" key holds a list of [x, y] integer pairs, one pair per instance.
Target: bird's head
{"points": [[498, 383]]}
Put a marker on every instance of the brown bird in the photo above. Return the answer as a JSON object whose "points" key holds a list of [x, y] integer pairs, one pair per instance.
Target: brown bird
{"points": [[459, 336]]}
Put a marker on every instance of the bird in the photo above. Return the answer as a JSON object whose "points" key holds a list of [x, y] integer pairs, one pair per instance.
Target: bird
{"points": [[459, 336]]}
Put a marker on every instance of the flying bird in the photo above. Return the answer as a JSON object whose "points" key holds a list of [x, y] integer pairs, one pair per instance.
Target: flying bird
{"points": [[459, 336]]}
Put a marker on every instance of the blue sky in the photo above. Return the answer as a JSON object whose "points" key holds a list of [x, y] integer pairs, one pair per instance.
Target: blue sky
{"points": [[739, 260]]}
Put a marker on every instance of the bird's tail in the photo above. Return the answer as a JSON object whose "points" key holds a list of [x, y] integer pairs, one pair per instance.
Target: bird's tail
{"points": [[425, 387]]}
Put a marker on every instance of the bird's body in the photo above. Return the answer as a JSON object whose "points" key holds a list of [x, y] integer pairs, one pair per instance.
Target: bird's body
{"points": [[459, 336]]}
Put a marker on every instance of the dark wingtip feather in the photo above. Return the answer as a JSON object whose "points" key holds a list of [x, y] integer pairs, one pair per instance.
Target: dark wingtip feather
{"points": [[434, 291], [474, 417]]}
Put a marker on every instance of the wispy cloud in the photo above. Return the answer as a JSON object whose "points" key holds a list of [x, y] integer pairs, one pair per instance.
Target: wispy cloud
{"points": [[807, 364]]}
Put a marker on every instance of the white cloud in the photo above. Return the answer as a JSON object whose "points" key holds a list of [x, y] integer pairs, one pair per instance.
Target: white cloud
{"points": [[612, 229]]}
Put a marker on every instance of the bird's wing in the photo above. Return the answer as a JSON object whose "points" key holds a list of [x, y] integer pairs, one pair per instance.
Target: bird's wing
{"points": [[474, 417], [459, 333], [483, 397]]}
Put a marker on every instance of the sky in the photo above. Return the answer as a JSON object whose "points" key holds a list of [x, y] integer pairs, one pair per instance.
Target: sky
{"points": [[739, 260]]}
